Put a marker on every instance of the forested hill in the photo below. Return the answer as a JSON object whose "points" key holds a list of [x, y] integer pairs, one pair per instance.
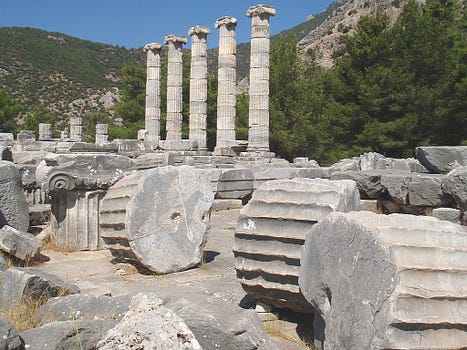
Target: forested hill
{"points": [[73, 76], [66, 74]]}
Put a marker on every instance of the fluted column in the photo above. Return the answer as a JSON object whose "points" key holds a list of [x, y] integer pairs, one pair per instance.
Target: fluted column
{"points": [[174, 91], [198, 85], [45, 131], [102, 133], [258, 114], [226, 75], [152, 114], [76, 129]]}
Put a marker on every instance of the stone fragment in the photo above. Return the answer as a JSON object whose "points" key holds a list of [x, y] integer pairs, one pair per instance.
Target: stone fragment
{"points": [[5, 153], [221, 325], [368, 182], [386, 282], [67, 335], [9, 338], [227, 204], [28, 282], [455, 184], [149, 325], [21, 245], [442, 159], [83, 307], [235, 184], [159, 218], [13, 204], [271, 230], [448, 214]]}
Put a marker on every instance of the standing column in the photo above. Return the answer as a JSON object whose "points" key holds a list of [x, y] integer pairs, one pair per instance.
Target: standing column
{"points": [[76, 129], [174, 91], [198, 85], [152, 114], [102, 131], [45, 132], [226, 73], [258, 114]]}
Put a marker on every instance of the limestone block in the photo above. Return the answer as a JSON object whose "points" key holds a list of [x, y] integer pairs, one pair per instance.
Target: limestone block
{"points": [[70, 335], [9, 338], [271, 230], [13, 204], [21, 245], [83, 307], [368, 182], [455, 184], [218, 324], [386, 282], [235, 184], [442, 159], [159, 218], [149, 325], [22, 282], [448, 214]]}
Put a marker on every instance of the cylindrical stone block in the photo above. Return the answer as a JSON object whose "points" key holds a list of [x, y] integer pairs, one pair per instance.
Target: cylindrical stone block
{"points": [[45, 132], [153, 98]]}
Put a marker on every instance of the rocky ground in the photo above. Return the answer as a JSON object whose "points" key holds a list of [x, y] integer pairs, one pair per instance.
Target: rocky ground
{"points": [[96, 273]]}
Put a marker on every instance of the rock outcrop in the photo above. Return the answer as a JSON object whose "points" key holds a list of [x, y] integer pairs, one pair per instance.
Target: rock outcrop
{"points": [[386, 282]]}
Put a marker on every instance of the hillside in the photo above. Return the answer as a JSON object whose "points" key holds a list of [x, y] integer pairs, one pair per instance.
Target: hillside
{"points": [[71, 76]]}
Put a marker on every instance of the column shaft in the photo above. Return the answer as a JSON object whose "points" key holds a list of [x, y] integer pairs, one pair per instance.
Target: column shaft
{"points": [[198, 85], [153, 93], [258, 113]]}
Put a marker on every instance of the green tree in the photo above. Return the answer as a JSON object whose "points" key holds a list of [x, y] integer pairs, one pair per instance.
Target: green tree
{"points": [[39, 114], [9, 111]]}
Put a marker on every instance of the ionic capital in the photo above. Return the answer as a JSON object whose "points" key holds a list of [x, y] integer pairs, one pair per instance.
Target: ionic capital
{"points": [[261, 10], [199, 30], [152, 46], [226, 21], [173, 38]]}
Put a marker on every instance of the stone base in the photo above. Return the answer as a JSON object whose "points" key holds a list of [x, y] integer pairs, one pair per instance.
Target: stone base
{"points": [[224, 151], [176, 145], [257, 154]]}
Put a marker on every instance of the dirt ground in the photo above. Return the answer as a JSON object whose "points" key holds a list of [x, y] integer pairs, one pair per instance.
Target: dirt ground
{"points": [[95, 272]]}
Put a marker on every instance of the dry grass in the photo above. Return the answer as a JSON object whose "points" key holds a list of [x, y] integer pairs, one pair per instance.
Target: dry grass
{"points": [[50, 243], [276, 329], [23, 314]]}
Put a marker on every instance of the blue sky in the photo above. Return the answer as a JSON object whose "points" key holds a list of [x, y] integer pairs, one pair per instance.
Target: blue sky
{"points": [[134, 23]]}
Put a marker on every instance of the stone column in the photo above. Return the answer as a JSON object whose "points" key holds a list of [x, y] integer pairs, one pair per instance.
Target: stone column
{"points": [[102, 131], [174, 91], [226, 73], [258, 116], [45, 132], [76, 129], [198, 85], [152, 114]]}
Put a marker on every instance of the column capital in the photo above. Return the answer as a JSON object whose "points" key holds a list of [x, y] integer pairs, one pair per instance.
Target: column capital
{"points": [[227, 21], [261, 10], [199, 30], [152, 46], [174, 38]]}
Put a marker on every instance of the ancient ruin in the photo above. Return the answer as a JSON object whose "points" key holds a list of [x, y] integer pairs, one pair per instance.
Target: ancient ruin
{"points": [[369, 252]]}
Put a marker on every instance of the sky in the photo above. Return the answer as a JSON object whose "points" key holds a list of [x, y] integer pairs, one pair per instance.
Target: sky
{"points": [[134, 23]]}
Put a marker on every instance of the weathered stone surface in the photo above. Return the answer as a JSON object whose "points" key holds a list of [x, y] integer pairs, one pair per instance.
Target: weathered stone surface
{"points": [[149, 325], [455, 184], [21, 245], [28, 282], [235, 184], [9, 338], [368, 182], [221, 325], [67, 335], [386, 282], [83, 307], [5, 153], [376, 161], [271, 230], [442, 159], [82, 171], [159, 217], [414, 189], [448, 214], [13, 204]]}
